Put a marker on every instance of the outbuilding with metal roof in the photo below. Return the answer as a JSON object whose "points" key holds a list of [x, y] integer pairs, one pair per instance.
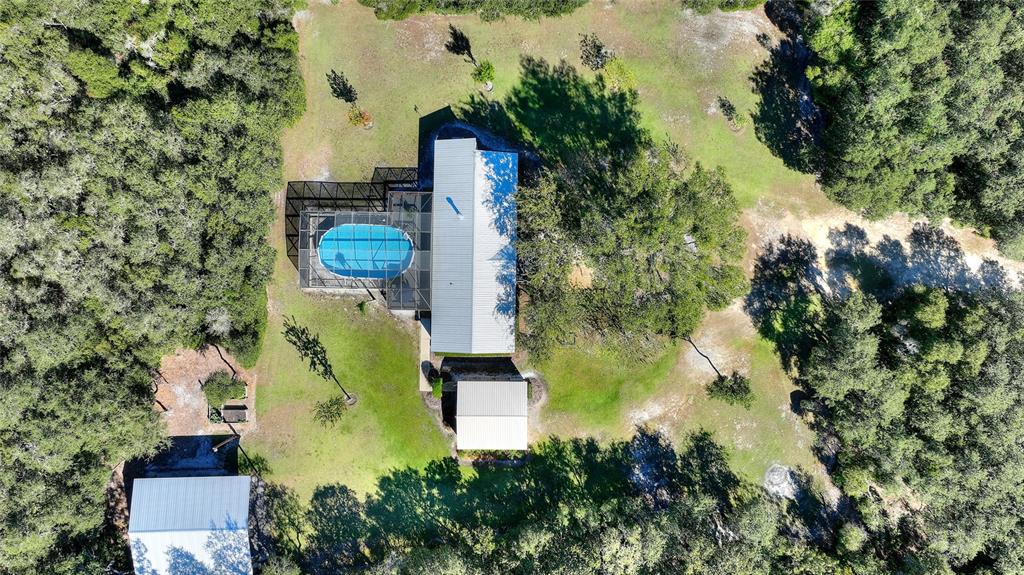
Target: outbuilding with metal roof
{"points": [[190, 525], [491, 415]]}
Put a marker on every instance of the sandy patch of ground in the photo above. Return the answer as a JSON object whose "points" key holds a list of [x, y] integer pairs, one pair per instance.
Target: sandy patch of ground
{"points": [[581, 276], [767, 222], [714, 338], [422, 37], [180, 399], [715, 35]]}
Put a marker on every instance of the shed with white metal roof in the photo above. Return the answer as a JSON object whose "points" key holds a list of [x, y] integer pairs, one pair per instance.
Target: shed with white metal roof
{"points": [[190, 524], [491, 415]]}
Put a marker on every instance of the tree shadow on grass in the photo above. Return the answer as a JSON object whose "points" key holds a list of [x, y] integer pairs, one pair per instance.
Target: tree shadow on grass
{"points": [[575, 124], [440, 506], [784, 298], [786, 119]]}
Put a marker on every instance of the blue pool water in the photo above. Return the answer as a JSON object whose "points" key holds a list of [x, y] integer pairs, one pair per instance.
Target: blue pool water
{"points": [[366, 251]]}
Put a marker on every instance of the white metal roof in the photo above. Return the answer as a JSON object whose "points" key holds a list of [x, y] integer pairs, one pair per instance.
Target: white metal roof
{"points": [[491, 415], [183, 524], [473, 256]]}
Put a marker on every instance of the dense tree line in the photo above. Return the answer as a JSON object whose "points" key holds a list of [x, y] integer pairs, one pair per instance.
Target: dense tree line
{"points": [[924, 393], [576, 507], [925, 102], [139, 142], [487, 9]]}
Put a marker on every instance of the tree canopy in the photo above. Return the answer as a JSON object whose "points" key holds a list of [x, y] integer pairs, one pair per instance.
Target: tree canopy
{"points": [[656, 235], [636, 506], [926, 108], [139, 143], [923, 393]]}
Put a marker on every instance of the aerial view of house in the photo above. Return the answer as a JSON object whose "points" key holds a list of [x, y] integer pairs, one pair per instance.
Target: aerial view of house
{"points": [[482, 287]]}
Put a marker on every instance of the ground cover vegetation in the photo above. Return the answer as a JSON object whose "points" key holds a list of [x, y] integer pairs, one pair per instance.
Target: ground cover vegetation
{"points": [[487, 9], [575, 507], [138, 142], [926, 110], [916, 395]]}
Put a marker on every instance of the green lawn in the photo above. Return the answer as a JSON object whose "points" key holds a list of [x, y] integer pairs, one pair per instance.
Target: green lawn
{"points": [[375, 357], [597, 392], [683, 64]]}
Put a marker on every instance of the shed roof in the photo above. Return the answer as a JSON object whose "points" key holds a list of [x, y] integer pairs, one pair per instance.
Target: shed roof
{"points": [[473, 255], [190, 524], [491, 415], [190, 503]]}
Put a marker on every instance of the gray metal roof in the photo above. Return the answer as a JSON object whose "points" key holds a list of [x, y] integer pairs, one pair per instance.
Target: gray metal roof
{"points": [[190, 503], [494, 398], [491, 415], [473, 256]]}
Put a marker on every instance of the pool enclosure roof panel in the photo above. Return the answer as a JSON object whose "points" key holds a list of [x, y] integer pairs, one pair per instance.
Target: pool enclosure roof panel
{"points": [[491, 415], [473, 270]]}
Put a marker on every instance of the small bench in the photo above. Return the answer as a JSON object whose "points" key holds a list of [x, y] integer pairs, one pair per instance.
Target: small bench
{"points": [[235, 413]]}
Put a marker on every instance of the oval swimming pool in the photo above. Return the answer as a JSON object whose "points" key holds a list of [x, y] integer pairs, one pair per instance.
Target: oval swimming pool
{"points": [[367, 251]]}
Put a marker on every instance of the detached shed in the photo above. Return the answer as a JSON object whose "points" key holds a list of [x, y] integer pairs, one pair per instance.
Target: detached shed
{"points": [[190, 525], [491, 415]]}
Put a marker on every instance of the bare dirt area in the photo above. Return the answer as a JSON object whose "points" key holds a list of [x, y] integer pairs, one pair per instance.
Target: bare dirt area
{"points": [[714, 34], [179, 396], [907, 249], [423, 37]]}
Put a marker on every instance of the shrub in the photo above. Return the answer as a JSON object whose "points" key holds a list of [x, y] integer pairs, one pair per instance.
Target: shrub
{"points": [[329, 412], [484, 72], [618, 77], [436, 387], [281, 566], [488, 9], [732, 115], [222, 386], [708, 6], [851, 537], [359, 117], [733, 389], [592, 52]]}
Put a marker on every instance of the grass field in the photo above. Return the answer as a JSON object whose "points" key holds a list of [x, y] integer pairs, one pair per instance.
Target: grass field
{"points": [[375, 357], [594, 391], [401, 70]]}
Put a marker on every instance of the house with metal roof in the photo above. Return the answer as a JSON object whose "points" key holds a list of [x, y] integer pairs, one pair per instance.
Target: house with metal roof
{"points": [[491, 415], [473, 256], [190, 525]]}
